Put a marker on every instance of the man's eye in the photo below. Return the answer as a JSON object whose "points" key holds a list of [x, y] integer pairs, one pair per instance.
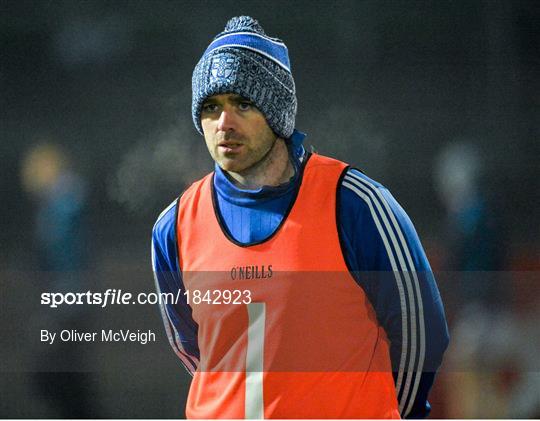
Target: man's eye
{"points": [[209, 108], [244, 106]]}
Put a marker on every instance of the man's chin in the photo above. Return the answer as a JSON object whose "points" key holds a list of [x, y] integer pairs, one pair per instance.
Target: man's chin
{"points": [[231, 165]]}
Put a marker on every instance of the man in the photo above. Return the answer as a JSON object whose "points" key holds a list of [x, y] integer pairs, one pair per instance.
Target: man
{"points": [[336, 313]]}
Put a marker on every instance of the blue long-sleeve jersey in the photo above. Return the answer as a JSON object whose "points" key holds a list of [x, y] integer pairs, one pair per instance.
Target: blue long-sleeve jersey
{"points": [[381, 249]]}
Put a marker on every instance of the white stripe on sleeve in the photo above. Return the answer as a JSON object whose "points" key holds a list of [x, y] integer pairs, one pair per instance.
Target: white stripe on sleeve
{"points": [[359, 185], [189, 362]]}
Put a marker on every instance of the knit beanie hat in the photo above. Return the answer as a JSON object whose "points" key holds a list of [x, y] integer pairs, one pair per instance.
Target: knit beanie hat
{"points": [[245, 61]]}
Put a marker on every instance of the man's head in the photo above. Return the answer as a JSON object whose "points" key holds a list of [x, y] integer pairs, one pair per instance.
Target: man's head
{"points": [[242, 60]]}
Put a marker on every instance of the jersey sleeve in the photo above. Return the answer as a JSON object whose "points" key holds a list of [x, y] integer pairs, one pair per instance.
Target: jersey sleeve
{"points": [[385, 256], [177, 316]]}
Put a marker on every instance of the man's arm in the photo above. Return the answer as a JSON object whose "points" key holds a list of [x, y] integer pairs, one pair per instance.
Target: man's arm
{"points": [[180, 327], [384, 253]]}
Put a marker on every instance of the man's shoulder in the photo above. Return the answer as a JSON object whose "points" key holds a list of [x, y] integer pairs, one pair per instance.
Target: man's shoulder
{"points": [[165, 221], [357, 188], [365, 198], [195, 187], [350, 174], [357, 193], [357, 176]]}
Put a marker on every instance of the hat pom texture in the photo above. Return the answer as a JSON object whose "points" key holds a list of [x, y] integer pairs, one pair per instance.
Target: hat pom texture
{"points": [[243, 60], [243, 24]]}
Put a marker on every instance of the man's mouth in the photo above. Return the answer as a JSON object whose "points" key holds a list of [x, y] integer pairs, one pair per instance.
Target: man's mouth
{"points": [[230, 146]]}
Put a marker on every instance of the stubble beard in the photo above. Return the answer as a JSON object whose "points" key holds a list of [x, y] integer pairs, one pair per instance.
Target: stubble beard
{"points": [[260, 165], [253, 160]]}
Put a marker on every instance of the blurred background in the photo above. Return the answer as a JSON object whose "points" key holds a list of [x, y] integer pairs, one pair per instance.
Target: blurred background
{"points": [[439, 101]]}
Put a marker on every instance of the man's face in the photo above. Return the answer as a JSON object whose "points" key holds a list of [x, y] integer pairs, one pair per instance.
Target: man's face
{"points": [[236, 132]]}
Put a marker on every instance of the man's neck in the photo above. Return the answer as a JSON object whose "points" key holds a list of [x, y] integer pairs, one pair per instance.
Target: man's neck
{"points": [[274, 169]]}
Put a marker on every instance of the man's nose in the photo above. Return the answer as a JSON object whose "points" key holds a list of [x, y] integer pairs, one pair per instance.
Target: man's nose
{"points": [[226, 120]]}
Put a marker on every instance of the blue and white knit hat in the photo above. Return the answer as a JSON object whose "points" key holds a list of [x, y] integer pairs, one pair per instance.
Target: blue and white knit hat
{"points": [[244, 60]]}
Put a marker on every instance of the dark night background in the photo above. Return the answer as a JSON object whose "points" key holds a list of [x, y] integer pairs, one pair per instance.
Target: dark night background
{"points": [[388, 86]]}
